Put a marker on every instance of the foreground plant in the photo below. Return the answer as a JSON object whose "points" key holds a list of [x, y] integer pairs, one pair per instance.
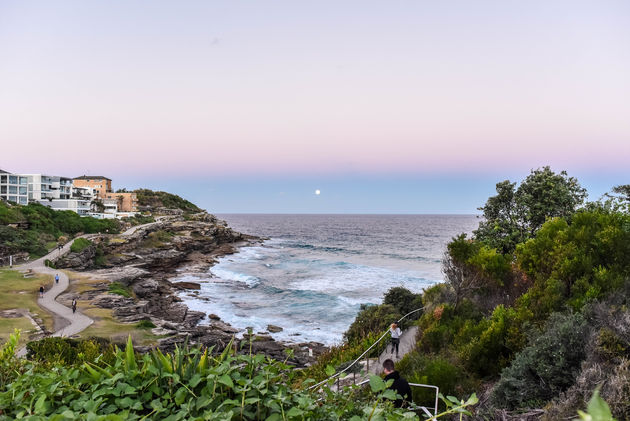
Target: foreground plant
{"points": [[186, 384]]}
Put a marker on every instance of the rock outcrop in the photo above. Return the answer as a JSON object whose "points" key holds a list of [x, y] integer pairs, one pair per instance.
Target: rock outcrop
{"points": [[145, 260]]}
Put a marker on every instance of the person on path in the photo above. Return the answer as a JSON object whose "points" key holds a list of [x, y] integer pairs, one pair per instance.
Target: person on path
{"points": [[395, 331], [400, 385], [74, 305], [41, 291], [56, 278]]}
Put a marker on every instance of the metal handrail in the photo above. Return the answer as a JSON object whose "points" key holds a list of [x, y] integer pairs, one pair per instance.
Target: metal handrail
{"points": [[361, 356], [437, 394]]}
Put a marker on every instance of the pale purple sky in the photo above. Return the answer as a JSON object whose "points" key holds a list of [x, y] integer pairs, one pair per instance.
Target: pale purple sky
{"points": [[446, 93]]}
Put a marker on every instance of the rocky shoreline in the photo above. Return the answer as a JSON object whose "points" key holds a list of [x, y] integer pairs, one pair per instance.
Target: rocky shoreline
{"points": [[146, 261]]}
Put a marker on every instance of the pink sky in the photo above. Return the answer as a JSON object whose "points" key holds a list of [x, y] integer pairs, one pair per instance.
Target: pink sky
{"points": [[281, 88]]}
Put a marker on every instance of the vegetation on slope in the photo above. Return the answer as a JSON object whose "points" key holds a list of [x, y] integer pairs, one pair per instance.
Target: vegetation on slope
{"points": [[91, 380], [534, 308], [159, 199], [40, 226]]}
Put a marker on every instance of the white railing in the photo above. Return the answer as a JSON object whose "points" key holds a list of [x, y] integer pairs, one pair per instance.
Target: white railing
{"points": [[366, 352]]}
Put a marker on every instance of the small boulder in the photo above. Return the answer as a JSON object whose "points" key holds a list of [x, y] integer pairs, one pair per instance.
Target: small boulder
{"points": [[274, 328]]}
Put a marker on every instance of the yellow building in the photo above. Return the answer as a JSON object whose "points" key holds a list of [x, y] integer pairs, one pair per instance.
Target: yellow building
{"points": [[100, 185], [127, 202]]}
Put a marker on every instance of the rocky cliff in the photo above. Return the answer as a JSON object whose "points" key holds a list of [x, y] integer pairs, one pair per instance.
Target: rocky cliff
{"points": [[144, 261]]}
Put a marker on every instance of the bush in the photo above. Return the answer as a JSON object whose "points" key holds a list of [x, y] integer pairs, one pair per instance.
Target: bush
{"points": [[547, 366], [79, 245], [120, 289], [403, 300], [371, 318], [145, 324], [188, 384], [56, 350]]}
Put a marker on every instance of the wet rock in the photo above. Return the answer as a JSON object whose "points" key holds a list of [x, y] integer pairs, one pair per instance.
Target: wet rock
{"points": [[274, 328], [187, 285], [213, 316]]}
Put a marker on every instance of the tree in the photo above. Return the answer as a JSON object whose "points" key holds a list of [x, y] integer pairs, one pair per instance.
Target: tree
{"points": [[514, 215], [463, 277], [623, 191]]}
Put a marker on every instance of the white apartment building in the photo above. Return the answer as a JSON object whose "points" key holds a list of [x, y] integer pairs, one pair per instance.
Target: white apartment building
{"points": [[14, 187], [42, 187], [80, 206]]}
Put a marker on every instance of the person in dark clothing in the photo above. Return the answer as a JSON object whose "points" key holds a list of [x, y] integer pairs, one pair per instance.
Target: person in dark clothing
{"points": [[74, 305], [41, 291], [400, 385]]}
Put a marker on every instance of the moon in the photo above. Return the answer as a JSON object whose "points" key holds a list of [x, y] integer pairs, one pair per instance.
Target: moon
{"points": [[317, 192]]}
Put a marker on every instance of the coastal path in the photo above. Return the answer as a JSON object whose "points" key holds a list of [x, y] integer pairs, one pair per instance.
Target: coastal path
{"points": [[359, 371], [75, 322]]}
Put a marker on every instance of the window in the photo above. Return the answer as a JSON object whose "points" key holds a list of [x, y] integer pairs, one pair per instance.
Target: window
{"points": [[3, 189], [3, 179], [23, 190], [23, 181], [23, 201], [13, 190], [13, 179], [13, 199]]}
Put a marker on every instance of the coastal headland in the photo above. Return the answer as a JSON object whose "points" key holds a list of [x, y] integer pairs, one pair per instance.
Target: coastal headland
{"points": [[145, 259]]}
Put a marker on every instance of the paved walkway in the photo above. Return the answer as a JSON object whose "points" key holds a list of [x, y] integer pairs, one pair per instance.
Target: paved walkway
{"points": [[77, 322], [407, 344]]}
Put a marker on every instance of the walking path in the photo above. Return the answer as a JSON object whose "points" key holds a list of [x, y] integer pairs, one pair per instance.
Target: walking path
{"points": [[77, 321], [407, 344]]}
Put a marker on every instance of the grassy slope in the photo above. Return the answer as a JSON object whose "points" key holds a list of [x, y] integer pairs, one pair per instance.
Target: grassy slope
{"points": [[18, 292], [105, 325]]}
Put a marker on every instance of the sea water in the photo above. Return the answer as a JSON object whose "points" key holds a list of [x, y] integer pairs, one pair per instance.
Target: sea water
{"points": [[313, 273]]}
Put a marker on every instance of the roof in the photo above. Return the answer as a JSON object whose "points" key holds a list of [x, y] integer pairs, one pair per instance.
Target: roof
{"points": [[92, 177], [4, 172]]}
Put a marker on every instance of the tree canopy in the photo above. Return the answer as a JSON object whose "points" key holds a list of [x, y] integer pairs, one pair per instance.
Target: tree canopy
{"points": [[515, 214]]}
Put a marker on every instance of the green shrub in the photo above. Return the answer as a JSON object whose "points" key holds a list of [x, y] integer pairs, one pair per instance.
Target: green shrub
{"points": [[120, 289], [403, 300], [371, 318], [79, 245], [547, 366], [188, 384], [145, 324]]}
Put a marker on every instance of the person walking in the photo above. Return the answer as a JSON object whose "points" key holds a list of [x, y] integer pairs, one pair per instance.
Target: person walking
{"points": [[41, 291], [395, 331], [400, 385], [74, 305], [56, 278]]}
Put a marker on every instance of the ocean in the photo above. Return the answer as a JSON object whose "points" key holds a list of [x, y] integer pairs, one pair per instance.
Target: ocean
{"points": [[313, 273]]}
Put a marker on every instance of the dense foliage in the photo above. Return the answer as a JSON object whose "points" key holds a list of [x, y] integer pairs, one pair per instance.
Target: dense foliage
{"points": [[188, 384], [159, 199], [515, 314], [40, 225]]}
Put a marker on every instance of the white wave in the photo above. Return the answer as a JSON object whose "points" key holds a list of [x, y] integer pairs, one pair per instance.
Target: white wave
{"points": [[228, 275]]}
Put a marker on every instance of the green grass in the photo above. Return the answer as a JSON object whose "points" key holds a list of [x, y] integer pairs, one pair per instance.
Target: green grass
{"points": [[20, 292], [145, 324], [79, 245], [106, 326], [117, 288]]}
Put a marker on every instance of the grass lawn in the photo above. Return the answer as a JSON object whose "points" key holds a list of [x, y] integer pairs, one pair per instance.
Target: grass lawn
{"points": [[18, 292], [105, 325]]}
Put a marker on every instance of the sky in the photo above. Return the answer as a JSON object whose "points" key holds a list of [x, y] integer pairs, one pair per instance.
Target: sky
{"points": [[385, 107]]}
